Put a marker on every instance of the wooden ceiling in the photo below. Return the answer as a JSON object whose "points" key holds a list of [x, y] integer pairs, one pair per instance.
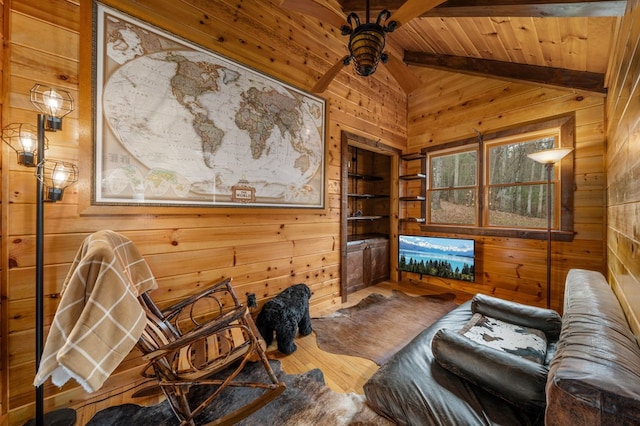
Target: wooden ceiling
{"points": [[565, 43]]}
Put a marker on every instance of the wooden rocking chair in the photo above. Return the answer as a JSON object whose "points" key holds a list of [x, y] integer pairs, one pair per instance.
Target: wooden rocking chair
{"points": [[186, 345]]}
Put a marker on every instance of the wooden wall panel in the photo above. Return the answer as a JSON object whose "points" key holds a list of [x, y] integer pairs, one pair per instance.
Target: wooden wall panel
{"points": [[264, 250], [453, 107], [623, 163], [4, 338]]}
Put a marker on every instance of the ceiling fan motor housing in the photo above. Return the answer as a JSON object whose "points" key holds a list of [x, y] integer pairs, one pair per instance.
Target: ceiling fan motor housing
{"points": [[367, 42], [366, 45]]}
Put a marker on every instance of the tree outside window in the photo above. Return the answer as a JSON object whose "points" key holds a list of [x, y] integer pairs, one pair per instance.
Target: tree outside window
{"points": [[453, 187], [516, 185]]}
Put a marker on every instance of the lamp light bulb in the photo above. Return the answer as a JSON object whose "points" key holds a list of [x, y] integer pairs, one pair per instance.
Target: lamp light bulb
{"points": [[59, 176], [53, 101], [28, 141]]}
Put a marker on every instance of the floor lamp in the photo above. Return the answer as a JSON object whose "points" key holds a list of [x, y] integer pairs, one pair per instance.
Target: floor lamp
{"points": [[53, 176], [549, 158]]}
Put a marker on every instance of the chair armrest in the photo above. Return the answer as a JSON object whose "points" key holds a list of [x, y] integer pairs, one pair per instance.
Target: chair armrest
{"points": [[213, 326], [545, 320], [176, 308]]}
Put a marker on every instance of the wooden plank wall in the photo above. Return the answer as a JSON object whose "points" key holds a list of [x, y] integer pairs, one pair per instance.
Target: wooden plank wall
{"points": [[3, 324], [264, 251], [452, 107], [623, 165]]}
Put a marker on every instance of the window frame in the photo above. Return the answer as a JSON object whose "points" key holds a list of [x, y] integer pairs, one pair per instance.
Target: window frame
{"points": [[564, 126]]}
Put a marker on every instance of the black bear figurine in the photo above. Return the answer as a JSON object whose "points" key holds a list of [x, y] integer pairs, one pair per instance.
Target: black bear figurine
{"points": [[285, 314]]}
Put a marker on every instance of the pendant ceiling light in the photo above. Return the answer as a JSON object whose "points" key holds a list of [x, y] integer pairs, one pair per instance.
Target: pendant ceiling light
{"points": [[367, 41]]}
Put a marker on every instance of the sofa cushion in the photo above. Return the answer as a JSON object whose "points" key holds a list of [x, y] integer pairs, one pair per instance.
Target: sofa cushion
{"points": [[513, 378], [513, 339], [546, 320]]}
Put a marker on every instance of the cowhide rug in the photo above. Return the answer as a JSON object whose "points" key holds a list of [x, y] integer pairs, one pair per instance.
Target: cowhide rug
{"points": [[305, 401], [377, 327]]}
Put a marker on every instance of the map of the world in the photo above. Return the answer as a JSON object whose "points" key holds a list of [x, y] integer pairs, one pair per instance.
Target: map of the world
{"points": [[177, 124]]}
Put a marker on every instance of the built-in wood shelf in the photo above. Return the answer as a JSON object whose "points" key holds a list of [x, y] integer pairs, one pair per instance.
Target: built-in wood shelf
{"points": [[412, 156], [366, 217], [365, 177], [413, 219], [413, 177], [368, 195], [407, 188]]}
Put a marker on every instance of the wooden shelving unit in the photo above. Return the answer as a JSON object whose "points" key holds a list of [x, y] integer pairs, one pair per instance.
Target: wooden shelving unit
{"points": [[412, 193], [368, 218], [368, 193]]}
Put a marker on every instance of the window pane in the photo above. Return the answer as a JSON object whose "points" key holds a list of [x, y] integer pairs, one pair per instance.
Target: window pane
{"points": [[509, 162], [453, 170], [521, 206], [453, 206]]}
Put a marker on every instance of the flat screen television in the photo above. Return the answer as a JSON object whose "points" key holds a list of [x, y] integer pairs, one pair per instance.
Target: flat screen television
{"points": [[452, 258]]}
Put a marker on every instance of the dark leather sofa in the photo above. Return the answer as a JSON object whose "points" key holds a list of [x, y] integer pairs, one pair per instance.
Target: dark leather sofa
{"points": [[593, 369]]}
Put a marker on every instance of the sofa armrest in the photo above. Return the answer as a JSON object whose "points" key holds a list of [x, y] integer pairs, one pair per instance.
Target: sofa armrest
{"points": [[594, 377], [545, 320]]}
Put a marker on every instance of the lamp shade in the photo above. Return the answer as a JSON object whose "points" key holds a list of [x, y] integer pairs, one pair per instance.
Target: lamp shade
{"points": [[23, 139], [54, 104], [550, 156], [56, 176]]}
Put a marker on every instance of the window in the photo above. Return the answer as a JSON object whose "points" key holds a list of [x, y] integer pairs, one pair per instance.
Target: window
{"points": [[515, 185], [488, 185], [453, 187]]}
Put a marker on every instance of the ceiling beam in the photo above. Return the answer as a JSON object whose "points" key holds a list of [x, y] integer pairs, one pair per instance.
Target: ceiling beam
{"points": [[546, 76], [511, 8]]}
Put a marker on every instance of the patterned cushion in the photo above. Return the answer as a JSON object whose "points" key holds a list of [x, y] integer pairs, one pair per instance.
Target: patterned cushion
{"points": [[526, 342]]}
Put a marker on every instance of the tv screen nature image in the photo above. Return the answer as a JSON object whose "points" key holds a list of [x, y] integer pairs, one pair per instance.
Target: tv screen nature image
{"points": [[440, 257]]}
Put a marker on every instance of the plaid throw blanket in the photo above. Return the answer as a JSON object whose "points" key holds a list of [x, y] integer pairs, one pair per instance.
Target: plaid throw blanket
{"points": [[99, 319]]}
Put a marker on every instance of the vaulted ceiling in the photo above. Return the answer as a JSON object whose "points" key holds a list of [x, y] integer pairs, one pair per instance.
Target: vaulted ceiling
{"points": [[560, 43]]}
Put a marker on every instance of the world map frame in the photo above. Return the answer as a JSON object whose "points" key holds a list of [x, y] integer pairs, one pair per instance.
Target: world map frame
{"points": [[176, 124]]}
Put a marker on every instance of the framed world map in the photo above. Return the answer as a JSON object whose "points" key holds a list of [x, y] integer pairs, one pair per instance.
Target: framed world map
{"points": [[176, 124]]}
